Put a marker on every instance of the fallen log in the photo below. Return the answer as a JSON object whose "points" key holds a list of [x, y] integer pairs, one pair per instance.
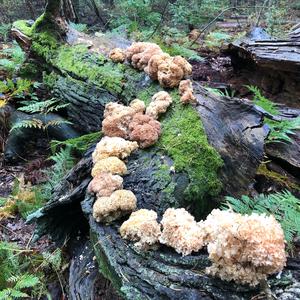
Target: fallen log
{"points": [[216, 128], [274, 65]]}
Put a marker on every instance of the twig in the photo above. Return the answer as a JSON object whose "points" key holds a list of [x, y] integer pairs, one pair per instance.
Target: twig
{"points": [[216, 18], [161, 19]]}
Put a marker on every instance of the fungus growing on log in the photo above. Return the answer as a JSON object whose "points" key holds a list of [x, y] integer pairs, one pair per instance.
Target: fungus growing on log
{"points": [[142, 228], [159, 104], [109, 165], [154, 63], [104, 184], [172, 71], [138, 105], [116, 120], [113, 146], [145, 130], [140, 53], [158, 65], [181, 231], [118, 204], [186, 92], [244, 248], [117, 55]]}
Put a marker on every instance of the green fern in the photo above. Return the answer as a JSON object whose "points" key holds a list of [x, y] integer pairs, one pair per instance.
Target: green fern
{"points": [[33, 123], [63, 162], [44, 107], [80, 144], [79, 27], [280, 131], [284, 206], [262, 101]]}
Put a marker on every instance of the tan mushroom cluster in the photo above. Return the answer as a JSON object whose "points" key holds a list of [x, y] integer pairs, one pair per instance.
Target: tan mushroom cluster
{"points": [[112, 201], [126, 128], [186, 92], [142, 228], [131, 122], [149, 57], [159, 104], [243, 248], [181, 232], [118, 204], [117, 55]]}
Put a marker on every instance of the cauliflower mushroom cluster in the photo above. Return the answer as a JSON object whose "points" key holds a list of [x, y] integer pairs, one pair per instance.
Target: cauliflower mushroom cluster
{"points": [[112, 201], [243, 248], [168, 70], [126, 128], [136, 122]]}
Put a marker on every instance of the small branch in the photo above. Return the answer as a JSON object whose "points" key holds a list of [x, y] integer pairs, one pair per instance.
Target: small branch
{"points": [[161, 20]]}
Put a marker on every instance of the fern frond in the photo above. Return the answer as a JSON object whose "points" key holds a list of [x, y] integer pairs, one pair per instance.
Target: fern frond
{"points": [[284, 206], [33, 123], [262, 101], [80, 144], [44, 107], [26, 281], [56, 123]]}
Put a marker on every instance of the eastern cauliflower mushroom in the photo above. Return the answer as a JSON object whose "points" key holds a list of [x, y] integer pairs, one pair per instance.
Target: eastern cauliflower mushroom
{"points": [[138, 105], [154, 63], [145, 130], [172, 71], [159, 104], [140, 53], [142, 228], [117, 55], [104, 184], [181, 231], [186, 92], [109, 165], [116, 120], [244, 248], [113, 146], [118, 204]]}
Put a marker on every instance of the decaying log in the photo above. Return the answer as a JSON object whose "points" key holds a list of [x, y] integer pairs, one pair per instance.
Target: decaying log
{"points": [[274, 65], [234, 127]]}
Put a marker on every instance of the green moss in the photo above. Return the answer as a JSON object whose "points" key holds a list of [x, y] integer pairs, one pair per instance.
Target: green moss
{"points": [[22, 26], [147, 93], [185, 141], [276, 177], [92, 67]]}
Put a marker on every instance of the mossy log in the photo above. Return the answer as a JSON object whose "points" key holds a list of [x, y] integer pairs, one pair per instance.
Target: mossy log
{"points": [[205, 152]]}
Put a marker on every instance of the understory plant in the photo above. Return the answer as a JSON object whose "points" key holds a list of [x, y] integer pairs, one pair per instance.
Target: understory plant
{"points": [[25, 272], [280, 131], [11, 58], [283, 205]]}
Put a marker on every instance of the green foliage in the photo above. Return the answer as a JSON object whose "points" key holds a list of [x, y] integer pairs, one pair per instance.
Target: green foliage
{"points": [[79, 27], [284, 206], [80, 144], [216, 39], [281, 131], [262, 101], [226, 93], [176, 49], [63, 162], [26, 276], [4, 31], [184, 139], [12, 58], [43, 107], [17, 89], [24, 200], [23, 27]]}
